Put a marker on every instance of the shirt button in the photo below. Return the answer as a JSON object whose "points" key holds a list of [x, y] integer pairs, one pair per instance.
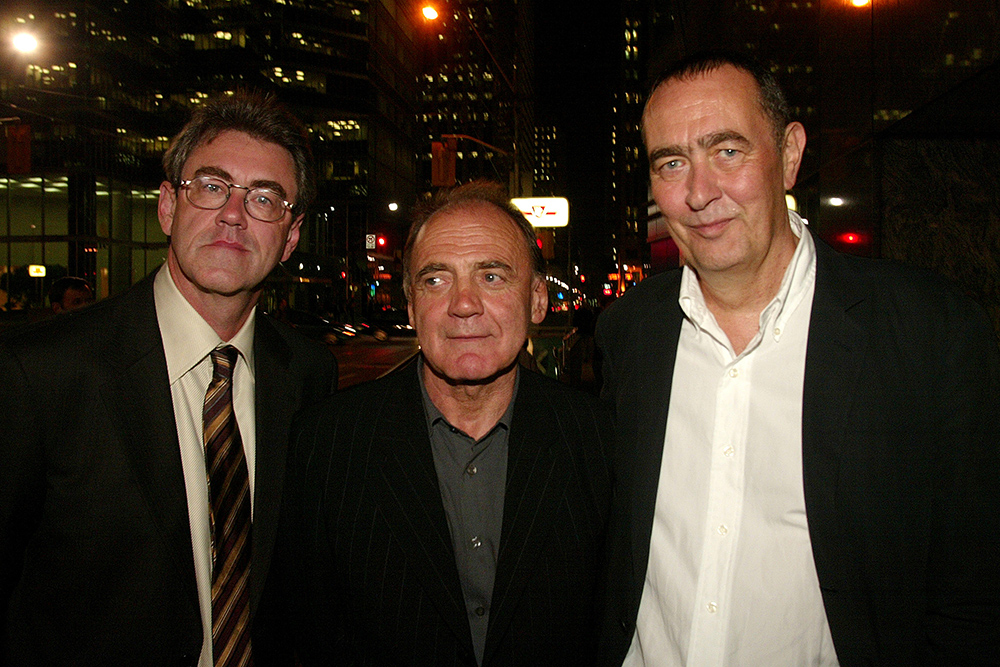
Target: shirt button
{"points": [[712, 607], [476, 542], [777, 331], [729, 451], [722, 530], [733, 372], [480, 611], [471, 469]]}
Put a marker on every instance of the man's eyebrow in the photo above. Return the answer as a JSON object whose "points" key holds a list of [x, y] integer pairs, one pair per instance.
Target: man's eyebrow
{"points": [[705, 142], [433, 267], [494, 264], [721, 137], [665, 151], [259, 183]]}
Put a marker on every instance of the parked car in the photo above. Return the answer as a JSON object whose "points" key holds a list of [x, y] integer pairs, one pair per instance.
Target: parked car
{"points": [[320, 328], [387, 323]]}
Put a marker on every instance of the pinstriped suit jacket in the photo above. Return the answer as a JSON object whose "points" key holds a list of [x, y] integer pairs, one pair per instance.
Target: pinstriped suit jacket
{"points": [[365, 572]]}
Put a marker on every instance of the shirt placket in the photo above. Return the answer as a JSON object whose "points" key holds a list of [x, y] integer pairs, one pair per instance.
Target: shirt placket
{"points": [[723, 513]]}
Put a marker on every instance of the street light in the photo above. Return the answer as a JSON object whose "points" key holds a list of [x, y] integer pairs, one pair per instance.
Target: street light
{"points": [[25, 42], [430, 13]]}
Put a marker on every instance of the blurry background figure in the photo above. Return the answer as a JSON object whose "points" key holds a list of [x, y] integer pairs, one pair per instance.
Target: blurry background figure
{"points": [[70, 293]]}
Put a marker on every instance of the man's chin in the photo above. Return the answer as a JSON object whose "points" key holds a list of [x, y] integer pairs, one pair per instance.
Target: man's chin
{"points": [[468, 375]]}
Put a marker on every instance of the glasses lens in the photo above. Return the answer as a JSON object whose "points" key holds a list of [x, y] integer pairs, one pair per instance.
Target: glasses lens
{"points": [[207, 192], [265, 205]]}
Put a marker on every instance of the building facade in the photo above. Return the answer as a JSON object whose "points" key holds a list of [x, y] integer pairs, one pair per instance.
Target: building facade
{"points": [[88, 114]]}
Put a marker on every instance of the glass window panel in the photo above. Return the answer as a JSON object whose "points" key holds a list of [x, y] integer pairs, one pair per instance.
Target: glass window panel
{"points": [[56, 206], [57, 255], [26, 206], [103, 207], [121, 212]]}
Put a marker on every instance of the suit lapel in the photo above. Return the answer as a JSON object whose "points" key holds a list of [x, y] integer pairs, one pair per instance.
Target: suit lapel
{"points": [[648, 394], [535, 486], [406, 484], [276, 396], [835, 356], [138, 399]]}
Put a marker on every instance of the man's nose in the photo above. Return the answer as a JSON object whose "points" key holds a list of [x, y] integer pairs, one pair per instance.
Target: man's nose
{"points": [[465, 300], [703, 187], [234, 211]]}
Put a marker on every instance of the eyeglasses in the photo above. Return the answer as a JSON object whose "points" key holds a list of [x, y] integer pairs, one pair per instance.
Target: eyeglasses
{"points": [[210, 193]]}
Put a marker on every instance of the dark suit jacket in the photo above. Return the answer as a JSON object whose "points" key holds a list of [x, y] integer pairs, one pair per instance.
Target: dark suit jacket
{"points": [[95, 549], [365, 566], [900, 456]]}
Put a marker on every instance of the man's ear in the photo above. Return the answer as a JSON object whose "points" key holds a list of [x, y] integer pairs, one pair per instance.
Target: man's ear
{"points": [[791, 152], [292, 239], [539, 300], [166, 207]]}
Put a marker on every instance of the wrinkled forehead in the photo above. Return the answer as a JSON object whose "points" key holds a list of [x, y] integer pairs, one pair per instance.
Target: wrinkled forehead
{"points": [[468, 223]]}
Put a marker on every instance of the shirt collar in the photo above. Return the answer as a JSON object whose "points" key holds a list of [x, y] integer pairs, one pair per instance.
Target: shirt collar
{"points": [[798, 278], [187, 338], [434, 415]]}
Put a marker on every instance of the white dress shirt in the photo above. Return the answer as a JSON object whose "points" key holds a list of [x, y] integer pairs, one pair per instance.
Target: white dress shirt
{"points": [[731, 578], [188, 340]]}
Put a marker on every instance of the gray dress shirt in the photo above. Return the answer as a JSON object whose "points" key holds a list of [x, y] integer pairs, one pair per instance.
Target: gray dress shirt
{"points": [[472, 475]]}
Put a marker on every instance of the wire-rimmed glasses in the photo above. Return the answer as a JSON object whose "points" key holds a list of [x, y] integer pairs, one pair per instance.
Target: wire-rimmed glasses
{"points": [[211, 193]]}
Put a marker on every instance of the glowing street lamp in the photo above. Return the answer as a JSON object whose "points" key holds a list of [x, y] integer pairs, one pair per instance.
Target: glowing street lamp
{"points": [[429, 13], [25, 42]]}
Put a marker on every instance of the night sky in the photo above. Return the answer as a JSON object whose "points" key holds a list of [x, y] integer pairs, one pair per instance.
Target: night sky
{"points": [[576, 60]]}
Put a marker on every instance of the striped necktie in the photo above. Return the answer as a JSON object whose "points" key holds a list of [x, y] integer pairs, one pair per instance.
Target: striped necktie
{"points": [[229, 515]]}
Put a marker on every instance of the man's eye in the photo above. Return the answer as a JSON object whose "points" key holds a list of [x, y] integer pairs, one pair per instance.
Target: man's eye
{"points": [[670, 165], [265, 197], [211, 188], [431, 281], [729, 152]]}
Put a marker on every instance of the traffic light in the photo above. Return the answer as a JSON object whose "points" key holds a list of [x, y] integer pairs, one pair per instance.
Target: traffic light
{"points": [[443, 155], [546, 241], [380, 241]]}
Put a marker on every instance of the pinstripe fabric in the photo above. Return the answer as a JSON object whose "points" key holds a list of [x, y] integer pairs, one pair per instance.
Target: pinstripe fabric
{"points": [[364, 566], [229, 514]]}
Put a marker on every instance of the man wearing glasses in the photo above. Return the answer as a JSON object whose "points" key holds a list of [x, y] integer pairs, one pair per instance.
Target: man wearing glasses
{"points": [[143, 453]]}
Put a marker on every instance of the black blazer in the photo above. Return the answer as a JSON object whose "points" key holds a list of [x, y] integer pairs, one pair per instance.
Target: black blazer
{"points": [[95, 549], [901, 459], [365, 569]]}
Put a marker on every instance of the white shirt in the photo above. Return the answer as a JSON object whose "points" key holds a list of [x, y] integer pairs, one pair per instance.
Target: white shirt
{"points": [[731, 578], [187, 342]]}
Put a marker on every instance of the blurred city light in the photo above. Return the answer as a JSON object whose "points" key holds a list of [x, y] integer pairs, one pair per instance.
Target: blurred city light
{"points": [[25, 42], [429, 13]]}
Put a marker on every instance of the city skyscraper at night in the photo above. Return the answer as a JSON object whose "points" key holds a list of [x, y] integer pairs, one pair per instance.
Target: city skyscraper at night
{"points": [[88, 113], [478, 89]]}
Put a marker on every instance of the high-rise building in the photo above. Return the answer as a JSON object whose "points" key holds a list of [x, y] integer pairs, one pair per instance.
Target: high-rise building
{"points": [[629, 174], [477, 88], [850, 73], [547, 150], [88, 114]]}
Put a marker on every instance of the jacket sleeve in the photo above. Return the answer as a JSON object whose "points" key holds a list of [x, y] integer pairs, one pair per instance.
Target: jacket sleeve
{"points": [[963, 614], [22, 477]]}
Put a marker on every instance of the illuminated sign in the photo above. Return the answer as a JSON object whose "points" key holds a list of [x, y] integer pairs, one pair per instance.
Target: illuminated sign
{"points": [[36, 270], [544, 211]]}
